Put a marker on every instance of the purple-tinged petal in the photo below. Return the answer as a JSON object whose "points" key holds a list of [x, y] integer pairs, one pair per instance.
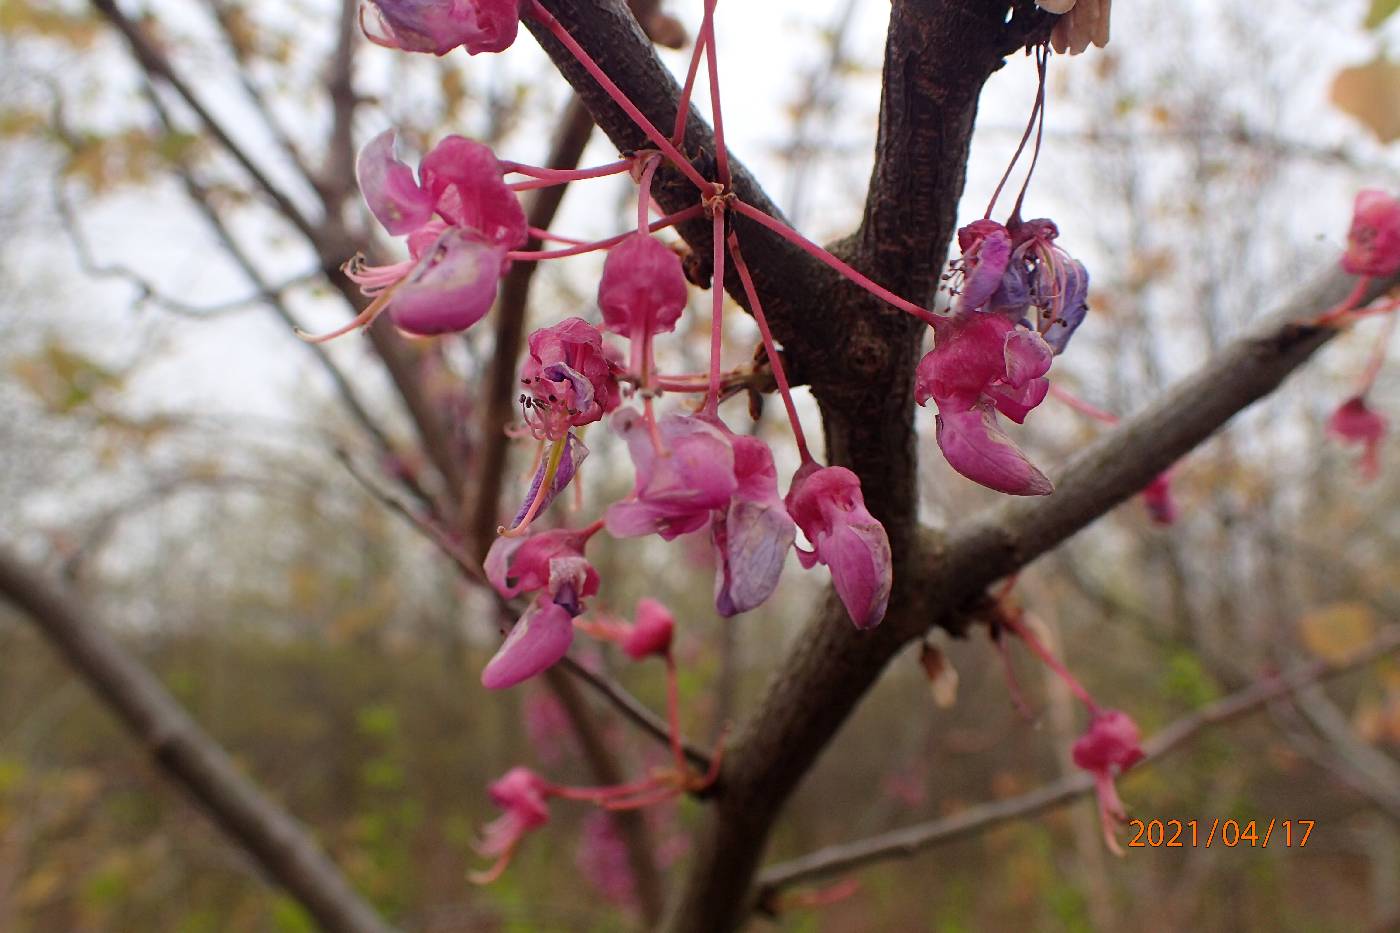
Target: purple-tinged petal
{"points": [[439, 26], [539, 639], [977, 448], [452, 286], [983, 267], [1070, 308], [389, 189], [858, 555], [678, 487], [752, 537], [569, 462]]}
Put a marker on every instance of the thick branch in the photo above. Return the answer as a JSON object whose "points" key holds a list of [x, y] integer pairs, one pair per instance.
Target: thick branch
{"points": [[911, 840], [189, 756]]}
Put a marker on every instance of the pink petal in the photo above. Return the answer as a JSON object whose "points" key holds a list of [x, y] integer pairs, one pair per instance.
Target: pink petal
{"points": [[1027, 356], [643, 289], [389, 189], [858, 555], [984, 262], [439, 26], [539, 639], [469, 190], [977, 448], [452, 286], [652, 633], [752, 541]]}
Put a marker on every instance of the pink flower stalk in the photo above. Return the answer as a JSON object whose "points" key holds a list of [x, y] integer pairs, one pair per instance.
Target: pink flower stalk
{"points": [[553, 563], [982, 364], [460, 220], [1357, 423], [1161, 505], [679, 484], [1373, 242], [827, 504], [752, 534], [1111, 746], [439, 26], [602, 859], [524, 796], [570, 379]]}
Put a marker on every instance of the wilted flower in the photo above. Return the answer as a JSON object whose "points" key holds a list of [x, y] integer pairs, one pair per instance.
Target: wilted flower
{"points": [[1111, 746], [439, 26], [1053, 283], [677, 486], [523, 795], [460, 220], [1373, 242], [982, 364], [986, 250], [827, 504], [752, 534], [570, 380], [553, 563], [1357, 423]]}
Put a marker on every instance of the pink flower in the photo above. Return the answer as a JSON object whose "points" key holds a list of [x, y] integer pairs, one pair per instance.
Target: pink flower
{"points": [[679, 485], [643, 289], [986, 250], [569, 377], [1111, 746], [827, 504], [439, 26], [460, 220], [982, 364], [1053, 283], [651, 635], [553, 563], [752, 535], [602, 859], [523, 795], [1355, 422], [1373, 242], [1161, 506]]}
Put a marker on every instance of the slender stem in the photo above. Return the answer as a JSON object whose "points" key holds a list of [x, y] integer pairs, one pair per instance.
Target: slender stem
{"points": [[716, 315], [1016, 156], [1081, 406], [683, 105], [1334, 315], [540, 233], [659, 224], [812, 249], [716, 112], [1378, 353], [1042, 58], [644, 193], [1023, 632], [769, 347], [566, 174], [569, 42]]}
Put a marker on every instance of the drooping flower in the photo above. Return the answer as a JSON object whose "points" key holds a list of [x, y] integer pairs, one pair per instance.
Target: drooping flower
{"points": [[460, 220], [569, 377], [439, 26], [752, 534], [1045, 288], [552, 563], [982, 364], [827, 504], [1357, 423], [986, 250], [678, 485], [1373, 242], [642, 292], [524, 796], [1111, 746]]}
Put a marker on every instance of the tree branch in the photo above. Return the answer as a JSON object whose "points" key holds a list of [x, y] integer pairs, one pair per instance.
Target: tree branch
{"points": [[189, 756], [911, 840]]}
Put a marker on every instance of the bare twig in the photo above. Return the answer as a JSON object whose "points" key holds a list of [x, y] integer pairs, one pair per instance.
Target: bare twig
{"points": [[188, 755], [904, 843]]}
